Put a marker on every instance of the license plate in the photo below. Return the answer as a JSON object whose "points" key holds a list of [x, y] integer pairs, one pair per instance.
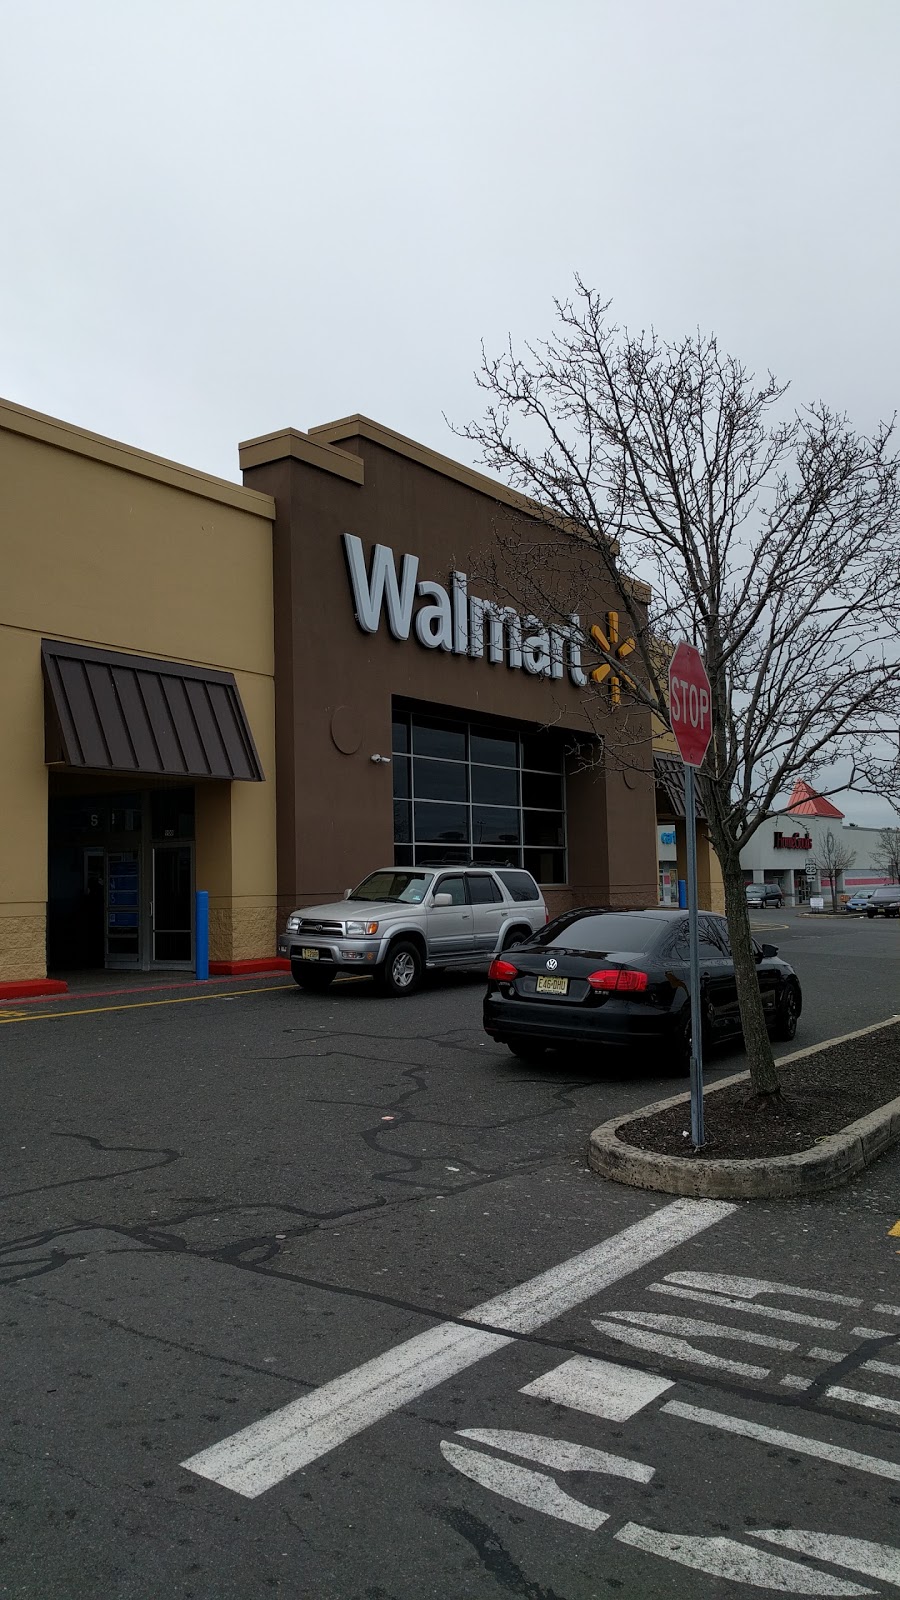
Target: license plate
{"points": [[309, 955], [553, 986]]}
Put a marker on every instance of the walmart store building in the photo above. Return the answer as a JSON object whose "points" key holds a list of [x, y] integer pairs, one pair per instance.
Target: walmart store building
{"points": [[196, 679]]}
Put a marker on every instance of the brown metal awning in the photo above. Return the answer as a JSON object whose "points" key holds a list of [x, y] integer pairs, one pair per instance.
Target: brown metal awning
{"points": [[669, 774], [121, 713]]}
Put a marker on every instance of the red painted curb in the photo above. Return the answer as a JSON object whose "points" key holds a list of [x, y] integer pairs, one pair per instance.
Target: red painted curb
{"points": [[235, 969], [30, 987]]}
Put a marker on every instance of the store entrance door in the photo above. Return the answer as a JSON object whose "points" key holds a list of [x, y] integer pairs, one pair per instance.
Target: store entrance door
{"points": [[121, 877], [172, 906], [123, 908]]}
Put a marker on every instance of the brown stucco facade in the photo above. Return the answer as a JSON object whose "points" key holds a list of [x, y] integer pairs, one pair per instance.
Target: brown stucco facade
{"points": [[339, 686]]}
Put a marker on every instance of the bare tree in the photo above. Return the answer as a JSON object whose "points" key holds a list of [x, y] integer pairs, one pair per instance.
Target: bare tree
{"points": [[887, 853], [833, 857], [768, 538]]}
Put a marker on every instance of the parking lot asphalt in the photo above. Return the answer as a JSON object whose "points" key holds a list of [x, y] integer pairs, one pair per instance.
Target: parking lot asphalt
{"points": [[218, 1199]]}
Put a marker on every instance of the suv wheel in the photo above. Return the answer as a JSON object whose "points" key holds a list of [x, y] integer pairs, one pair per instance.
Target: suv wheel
{"points": [[402, 970], [514, 936]]}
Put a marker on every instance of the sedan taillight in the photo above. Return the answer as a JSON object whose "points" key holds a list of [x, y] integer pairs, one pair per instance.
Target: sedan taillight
{"points": [[502, 971], [618, 978]]}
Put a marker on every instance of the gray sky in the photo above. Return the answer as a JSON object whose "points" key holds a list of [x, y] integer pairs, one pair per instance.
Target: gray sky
{"points": [[223, 218]]}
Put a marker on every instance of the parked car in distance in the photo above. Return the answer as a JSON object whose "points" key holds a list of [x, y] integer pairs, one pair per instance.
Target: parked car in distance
{"points": [[620, 979], [401, 920], [859, 901], [764, 894], [885, 902]]}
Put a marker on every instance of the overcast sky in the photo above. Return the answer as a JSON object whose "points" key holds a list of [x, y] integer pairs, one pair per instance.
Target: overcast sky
{"points": [[223, 218]]}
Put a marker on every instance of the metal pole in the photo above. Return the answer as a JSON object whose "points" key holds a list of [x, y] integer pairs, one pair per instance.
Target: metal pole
{"points": [[690, 808]]}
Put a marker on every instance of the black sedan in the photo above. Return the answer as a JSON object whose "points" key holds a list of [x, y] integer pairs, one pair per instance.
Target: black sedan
{"points": [[621, 978]]}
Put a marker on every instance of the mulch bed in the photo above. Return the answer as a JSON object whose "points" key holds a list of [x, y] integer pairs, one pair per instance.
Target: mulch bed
{"points": [[820, 1095]]}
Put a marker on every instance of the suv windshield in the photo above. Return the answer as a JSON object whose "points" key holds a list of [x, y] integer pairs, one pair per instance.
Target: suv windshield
{"points": [[410, 888]]}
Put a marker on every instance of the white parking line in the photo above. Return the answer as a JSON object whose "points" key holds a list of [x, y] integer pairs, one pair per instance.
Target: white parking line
{"points": [[261, 1455], [727, 1558], [694, 1327], [887, 1367], [748, 1307], [860, 1555], [561, 1454], [528, 1488], [788, 1441], [858, 1397], [749, 1288], [673, 1349]]}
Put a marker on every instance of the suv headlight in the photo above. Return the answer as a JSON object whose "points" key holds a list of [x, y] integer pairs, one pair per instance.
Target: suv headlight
{"points": [[359, 930], [293, 922]]}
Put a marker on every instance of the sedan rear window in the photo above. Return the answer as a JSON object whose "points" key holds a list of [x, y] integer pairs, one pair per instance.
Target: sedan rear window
{"points": [[607, 930]]}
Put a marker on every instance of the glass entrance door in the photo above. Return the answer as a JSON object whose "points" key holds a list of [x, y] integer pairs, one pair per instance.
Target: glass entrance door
{"points": [[172, 905], [123, 908]]}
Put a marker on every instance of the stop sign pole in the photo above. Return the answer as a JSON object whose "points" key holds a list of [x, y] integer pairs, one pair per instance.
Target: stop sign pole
{"points": [[690, 713]]}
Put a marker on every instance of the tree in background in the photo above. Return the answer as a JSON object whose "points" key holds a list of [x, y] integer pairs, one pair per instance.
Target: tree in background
{"points": [[833, 857], [767, 538], [887, 853]]}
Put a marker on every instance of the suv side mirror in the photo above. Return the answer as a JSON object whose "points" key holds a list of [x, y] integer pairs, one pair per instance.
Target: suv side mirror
{"points": [[768, 950], [442, 900], [347, 893]]}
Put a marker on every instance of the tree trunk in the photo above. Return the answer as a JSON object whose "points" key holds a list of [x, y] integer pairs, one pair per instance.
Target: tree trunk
{"points": [[763, 1075]]}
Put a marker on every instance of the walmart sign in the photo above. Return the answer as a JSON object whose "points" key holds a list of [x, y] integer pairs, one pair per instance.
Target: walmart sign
{"points": [[456, 621]]}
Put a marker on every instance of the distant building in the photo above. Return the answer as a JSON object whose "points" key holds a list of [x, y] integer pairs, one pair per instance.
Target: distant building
{"points": [[784, 850]]}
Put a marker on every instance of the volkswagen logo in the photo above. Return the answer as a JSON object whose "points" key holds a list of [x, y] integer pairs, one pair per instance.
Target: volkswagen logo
{"points": [[552, 964]]}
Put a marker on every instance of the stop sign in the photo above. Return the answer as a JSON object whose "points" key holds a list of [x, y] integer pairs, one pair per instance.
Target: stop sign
{"points": [[690, 704]]}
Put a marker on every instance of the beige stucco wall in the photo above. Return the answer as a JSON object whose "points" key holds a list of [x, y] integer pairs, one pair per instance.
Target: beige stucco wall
{"points": [[110, 547]]}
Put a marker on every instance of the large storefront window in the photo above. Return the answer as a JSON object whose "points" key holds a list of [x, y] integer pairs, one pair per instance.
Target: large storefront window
{"points": [[463, 792]]}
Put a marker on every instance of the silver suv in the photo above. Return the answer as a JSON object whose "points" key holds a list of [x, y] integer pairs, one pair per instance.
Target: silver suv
{"points": [[400, 920]]}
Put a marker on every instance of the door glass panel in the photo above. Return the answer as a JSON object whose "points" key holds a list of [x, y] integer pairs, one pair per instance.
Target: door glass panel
{"points": [[172, 904], [123, 907]]}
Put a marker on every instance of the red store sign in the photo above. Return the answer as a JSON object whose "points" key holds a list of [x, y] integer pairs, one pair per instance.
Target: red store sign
{"points": [[793, 841]]}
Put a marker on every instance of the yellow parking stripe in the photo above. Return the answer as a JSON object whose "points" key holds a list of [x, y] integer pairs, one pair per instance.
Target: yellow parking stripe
{"points": [[135, 1005]]}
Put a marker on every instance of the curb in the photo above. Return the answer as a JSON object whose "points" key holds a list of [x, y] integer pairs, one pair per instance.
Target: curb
{"points": [[32, 988], [832, 1161]]}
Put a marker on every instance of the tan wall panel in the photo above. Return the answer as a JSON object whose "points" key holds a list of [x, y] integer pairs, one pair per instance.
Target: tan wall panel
{"points": [[23, 808], [96, 554], [118, 559]]}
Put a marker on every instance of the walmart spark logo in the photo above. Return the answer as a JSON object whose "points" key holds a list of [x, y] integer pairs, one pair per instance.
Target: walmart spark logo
{"points": [[611, 645]]}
